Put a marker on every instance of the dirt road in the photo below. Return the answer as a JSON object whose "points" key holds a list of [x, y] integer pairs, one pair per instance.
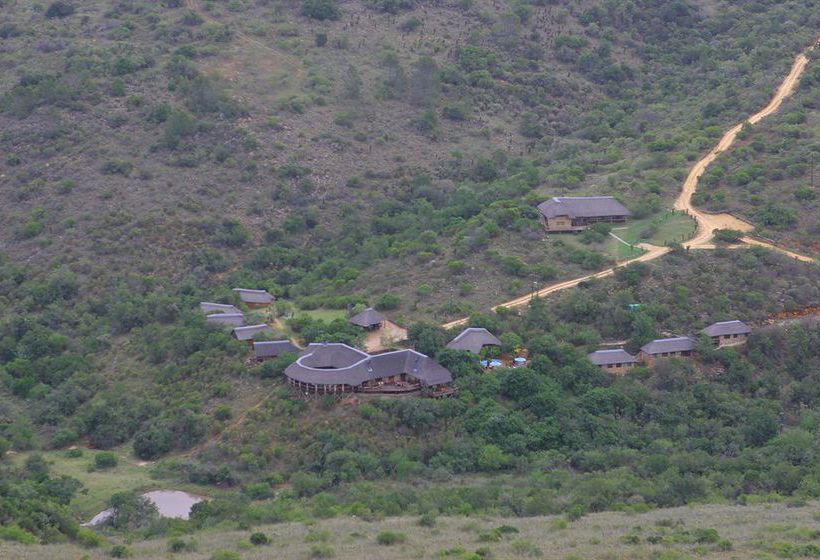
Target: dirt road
{"points": [[652, 252], [707, 223]]}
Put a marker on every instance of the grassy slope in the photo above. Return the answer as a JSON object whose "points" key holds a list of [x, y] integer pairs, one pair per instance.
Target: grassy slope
{"points": [[753, 531]]}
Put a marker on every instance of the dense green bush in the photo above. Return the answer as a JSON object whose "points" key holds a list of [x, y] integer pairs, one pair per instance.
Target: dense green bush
{"points": [[60, 9], [105, 460], [321, 9]]}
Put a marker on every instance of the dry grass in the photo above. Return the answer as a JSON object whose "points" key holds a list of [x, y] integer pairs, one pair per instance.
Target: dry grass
{"points": [[598, 536]]}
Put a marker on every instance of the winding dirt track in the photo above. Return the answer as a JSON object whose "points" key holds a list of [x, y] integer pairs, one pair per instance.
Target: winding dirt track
{"points": [[706, 223]]}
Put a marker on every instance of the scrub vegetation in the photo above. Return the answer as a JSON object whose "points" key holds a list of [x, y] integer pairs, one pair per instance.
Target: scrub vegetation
{"points": [[337, 154]]}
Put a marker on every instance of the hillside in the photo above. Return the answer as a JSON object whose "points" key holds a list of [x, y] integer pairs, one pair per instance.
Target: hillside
{"points": [[369, 152], [322, 153]]}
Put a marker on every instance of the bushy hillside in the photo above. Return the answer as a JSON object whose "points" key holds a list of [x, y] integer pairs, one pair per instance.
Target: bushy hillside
{"points": [[557, 436], [359, 148], [157, 154]]}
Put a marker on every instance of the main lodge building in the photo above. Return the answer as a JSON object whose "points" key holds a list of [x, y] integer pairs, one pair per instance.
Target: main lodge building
{"points": [[567, 213], [335, 368]]}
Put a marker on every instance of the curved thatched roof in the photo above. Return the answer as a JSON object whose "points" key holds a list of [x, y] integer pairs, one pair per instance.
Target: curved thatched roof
{"points": [[340, 364], [473, 339], [367, 318]]}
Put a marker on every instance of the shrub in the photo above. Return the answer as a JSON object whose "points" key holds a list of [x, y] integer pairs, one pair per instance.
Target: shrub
{"points": [[88, 538], [223, 554], [706, 536], [223, 412], [526, 548], [410, 24], [427, 121], [105, 460], [66, 186], [117, 167], [728, 235], [388, 301], [120, 551], [259, 539], [15, 533], [31, 228], [456, 111], [321, 10], [177, 544], [322, 551], [388, 538], [60, 9], [427, 520]]}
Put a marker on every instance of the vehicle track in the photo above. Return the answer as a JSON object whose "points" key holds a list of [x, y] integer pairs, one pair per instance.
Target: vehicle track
{"points": [[707, 223]]}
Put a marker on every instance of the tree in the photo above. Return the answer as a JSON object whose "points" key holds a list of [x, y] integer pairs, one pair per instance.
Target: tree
{"points": [[321, 9], [388, 301], [644, 329], [426, 338], [760, 426], [492, 458], [352, 83], [60, 9], [424, 82], [131, 511]]}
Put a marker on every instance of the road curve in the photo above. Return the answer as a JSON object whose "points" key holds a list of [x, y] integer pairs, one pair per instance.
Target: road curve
{"points": [[706, 223]]}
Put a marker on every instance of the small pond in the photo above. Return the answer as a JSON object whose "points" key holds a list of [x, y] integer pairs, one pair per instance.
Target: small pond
{"points": [[170, 503]]}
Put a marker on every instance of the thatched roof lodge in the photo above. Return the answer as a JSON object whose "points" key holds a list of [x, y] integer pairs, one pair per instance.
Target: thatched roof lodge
{"points": [[575, 213], [254, 297], [728, 333], [226, 319], [675, 347], [249, 331], [333, 368], [209, 307], [613, 361], [473, 339], [273, 349]]}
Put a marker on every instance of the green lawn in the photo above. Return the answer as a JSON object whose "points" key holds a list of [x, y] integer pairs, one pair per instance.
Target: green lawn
{"points": [[324, 314], [660, 229]]}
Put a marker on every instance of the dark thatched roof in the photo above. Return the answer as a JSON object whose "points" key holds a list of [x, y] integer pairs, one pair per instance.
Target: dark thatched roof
{"points": [[273, 348], [473, 339], [208, 307], [609, 357], [227, 319], [249, 331], [722, 328], [582, 207], [339, 364], [253, 296], [663, 345], [367, 318]]}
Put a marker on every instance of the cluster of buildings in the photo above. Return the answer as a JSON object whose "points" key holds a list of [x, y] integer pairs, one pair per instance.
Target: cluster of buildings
{"points": [[226, 314], [338, 369], [722, 334]]}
